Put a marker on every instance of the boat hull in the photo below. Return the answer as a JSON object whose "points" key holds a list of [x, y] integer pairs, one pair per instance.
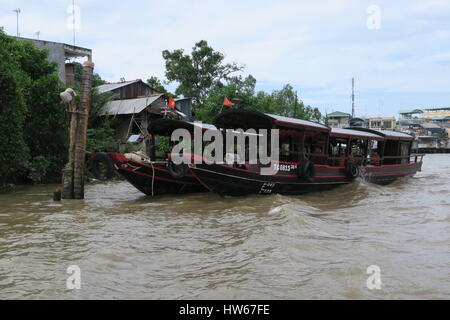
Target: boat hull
{"points": [[389, 173], [230, 181], [154, 179]]}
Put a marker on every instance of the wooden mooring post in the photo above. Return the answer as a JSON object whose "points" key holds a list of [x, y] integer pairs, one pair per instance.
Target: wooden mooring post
{"points": [[73, 173]]}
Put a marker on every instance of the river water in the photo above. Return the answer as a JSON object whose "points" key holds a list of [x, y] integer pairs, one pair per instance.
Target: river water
{"points": [[205, 247]]}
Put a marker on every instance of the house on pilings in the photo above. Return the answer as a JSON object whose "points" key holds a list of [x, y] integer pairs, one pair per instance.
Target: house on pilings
{"points": [[136, 104]]}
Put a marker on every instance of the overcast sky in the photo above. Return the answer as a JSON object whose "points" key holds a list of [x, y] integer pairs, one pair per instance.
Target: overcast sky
{"points": [[400, 61]]}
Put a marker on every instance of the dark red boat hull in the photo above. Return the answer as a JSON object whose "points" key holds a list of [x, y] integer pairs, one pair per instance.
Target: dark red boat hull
{"points": [[154, 180], [232, 181]]}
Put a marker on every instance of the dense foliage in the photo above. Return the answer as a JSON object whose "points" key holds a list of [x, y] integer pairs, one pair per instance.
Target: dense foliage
{"points": [[156, 84], [14, 152], [33, 122]]}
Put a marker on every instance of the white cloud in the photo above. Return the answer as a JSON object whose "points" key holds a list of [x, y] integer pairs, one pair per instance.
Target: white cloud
{"points": [[315, 45]]}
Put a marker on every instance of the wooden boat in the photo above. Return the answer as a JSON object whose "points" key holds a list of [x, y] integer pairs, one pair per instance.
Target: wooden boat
{"points": [[381, 156], [314, 158], [153, 175]]}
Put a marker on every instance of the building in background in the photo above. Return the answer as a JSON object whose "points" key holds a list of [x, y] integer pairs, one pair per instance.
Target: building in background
{"points": [[431, 127], [437, 114], [62, 53], [379, 123], [338, 119]]}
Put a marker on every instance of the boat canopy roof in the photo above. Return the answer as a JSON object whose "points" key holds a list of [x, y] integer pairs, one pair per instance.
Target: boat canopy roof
{"points": [[386, 134], [338, 132], [165, 127], [247, 119]]}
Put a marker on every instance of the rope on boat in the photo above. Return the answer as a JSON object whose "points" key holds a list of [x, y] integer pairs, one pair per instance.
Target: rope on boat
{"points": [[153, 179]]}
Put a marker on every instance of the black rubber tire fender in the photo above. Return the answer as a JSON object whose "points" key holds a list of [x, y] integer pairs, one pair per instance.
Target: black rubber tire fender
{"points": [[177, 171], [351, 170], [307, 171], [97, 172]]}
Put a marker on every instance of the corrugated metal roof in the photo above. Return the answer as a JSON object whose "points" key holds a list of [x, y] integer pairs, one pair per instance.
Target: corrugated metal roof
{"points": [[128, 106], [113, 86]]}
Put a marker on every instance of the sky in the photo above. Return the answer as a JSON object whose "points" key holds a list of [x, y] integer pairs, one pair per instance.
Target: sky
{"points": [[397, 51]]}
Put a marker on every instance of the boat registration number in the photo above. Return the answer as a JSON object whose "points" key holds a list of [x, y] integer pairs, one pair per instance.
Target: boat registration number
{"points": [[285, 167], [267, 188]]}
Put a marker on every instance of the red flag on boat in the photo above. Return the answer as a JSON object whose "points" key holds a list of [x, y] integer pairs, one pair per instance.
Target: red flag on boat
{"points": [[228, 103], [172, 103]]}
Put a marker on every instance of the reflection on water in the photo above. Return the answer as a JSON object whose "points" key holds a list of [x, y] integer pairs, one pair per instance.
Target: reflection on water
{"points": [[206, 247]]}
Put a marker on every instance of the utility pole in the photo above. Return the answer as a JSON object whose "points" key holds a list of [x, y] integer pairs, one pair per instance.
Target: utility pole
{"points": [[38, 34], [17, 11], [353, 97], [73, 173]]}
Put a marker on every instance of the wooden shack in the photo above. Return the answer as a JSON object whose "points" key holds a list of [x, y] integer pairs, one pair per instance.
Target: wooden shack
{"points": [[136, 104]]}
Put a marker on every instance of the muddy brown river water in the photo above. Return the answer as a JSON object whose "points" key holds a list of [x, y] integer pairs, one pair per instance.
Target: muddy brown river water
{"points": [[202, 246]]}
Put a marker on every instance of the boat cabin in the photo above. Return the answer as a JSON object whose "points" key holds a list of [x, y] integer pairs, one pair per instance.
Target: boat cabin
{"points": [[301, 139], [389, 148], [160, 132]]}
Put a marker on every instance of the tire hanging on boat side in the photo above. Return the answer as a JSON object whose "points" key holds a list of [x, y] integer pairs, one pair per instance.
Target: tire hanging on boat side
{"points": [[307, 171], [351, 170], [177, 171], [106, 171]]}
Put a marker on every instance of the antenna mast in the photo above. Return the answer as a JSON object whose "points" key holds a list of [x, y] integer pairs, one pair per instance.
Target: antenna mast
{"points": [[353, 97], [17, 11], [73, 20]]}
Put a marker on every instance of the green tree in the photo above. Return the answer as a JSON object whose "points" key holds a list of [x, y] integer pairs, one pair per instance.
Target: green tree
{"points": [[156, 84], [285, 102], [14, 152], [46, 126], [32, 114], [78, 78], [236, 87], [198, 73]]}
